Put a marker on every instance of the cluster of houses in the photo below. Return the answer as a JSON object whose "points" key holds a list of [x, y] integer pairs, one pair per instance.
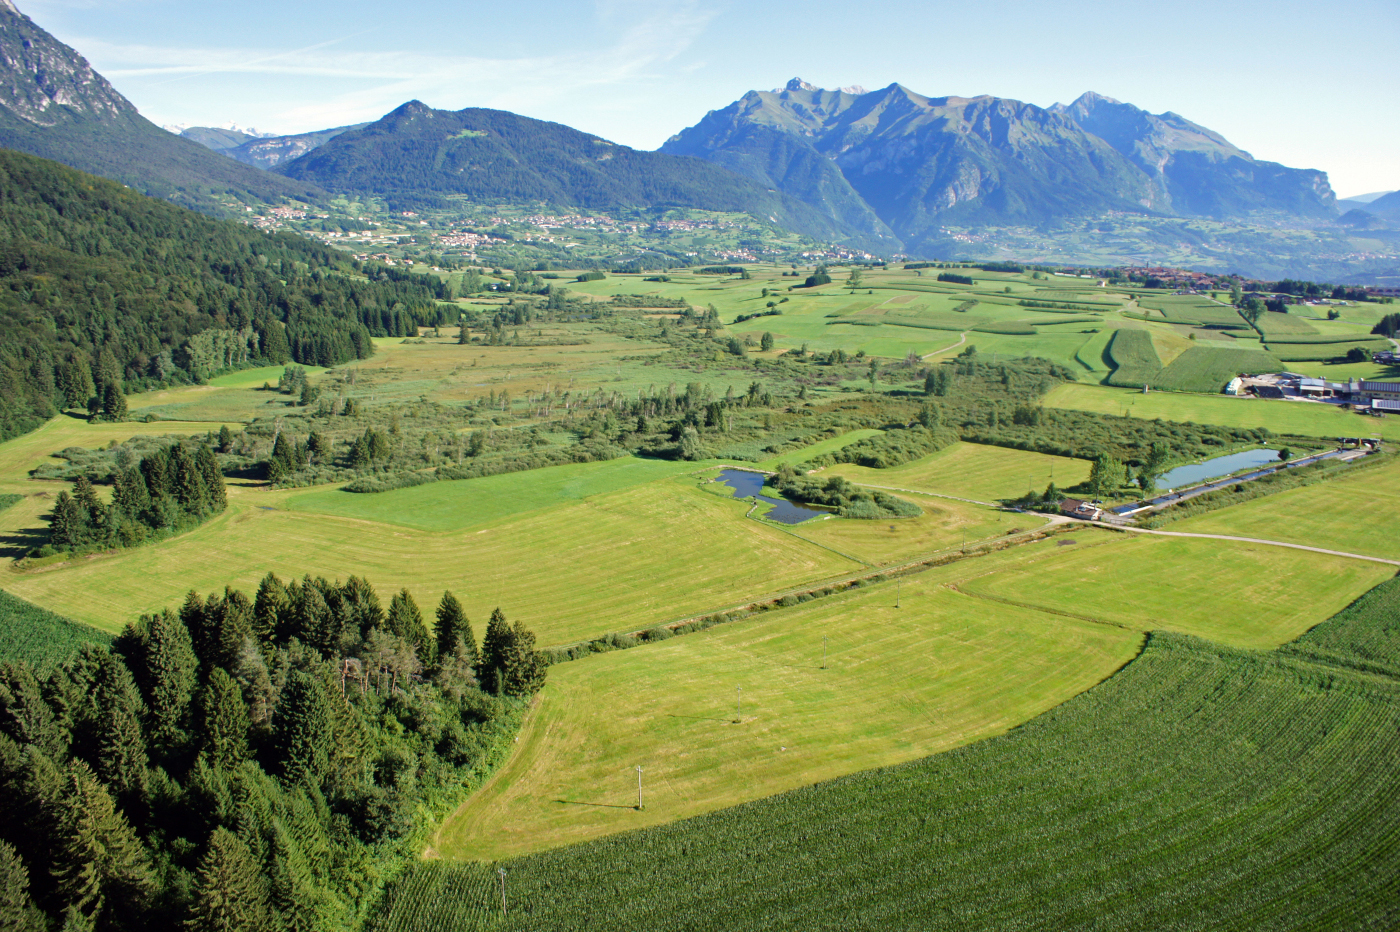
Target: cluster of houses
{"points": [[1361, 394]]}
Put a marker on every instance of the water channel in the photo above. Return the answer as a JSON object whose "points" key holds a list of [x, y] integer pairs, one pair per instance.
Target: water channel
{"points": [[745, 484], [1185, 476]]}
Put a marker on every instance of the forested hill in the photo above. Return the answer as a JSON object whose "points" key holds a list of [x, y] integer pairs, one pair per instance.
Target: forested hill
{"points": [[53, 104], [103, 287], [416, 156]]}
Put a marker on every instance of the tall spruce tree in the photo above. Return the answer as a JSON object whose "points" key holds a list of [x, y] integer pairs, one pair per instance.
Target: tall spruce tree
{"points": [[229, 893], [524, 668], [454, 630], [270, 604], [495, 646], [225, 720], [122, 760], [161, 656], [296, 897], [17, 910], [303, 730], [98, 859], [406, 621]]}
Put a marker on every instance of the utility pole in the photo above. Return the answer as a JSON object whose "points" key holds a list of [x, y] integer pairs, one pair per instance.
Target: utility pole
{"points": [[502, 872], [639, 787], [897, 582], [964, 543], [740, 712], [823, 651]]}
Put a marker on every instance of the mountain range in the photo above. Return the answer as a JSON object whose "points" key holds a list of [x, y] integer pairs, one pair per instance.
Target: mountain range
{"points": [[916, 164], [889, 170], [418, 156]]}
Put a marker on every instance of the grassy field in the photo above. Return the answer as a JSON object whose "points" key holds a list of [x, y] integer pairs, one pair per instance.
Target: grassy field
{"points": [[1355, 514], [943, 526], [1316, 420], [938, 672], [570, 777], [974, 471], [451, 506], [1200, 788], [617, 561], [1244, 595]]}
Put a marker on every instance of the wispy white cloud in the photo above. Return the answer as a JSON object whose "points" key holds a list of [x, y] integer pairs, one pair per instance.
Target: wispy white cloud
{"points": [[645, 37]]}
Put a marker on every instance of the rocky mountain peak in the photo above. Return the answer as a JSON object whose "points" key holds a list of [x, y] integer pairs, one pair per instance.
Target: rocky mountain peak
{"points": [[42, 77]]}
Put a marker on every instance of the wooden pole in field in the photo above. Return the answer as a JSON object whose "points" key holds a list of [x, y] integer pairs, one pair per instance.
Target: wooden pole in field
{"points": [[502, 872], [740, 710], [823, 651], [639, 787]]}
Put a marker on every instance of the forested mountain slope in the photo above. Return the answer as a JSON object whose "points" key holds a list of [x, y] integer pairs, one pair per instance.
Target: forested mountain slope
{"points": [[54, 105], [102, 286], [417, 156]]}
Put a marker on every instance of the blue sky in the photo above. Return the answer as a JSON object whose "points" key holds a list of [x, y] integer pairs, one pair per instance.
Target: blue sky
{"points": [[1309, 84]]}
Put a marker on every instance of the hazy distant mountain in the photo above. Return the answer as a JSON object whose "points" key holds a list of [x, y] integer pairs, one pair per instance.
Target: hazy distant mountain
{"points": [[218, 138], [418, 155], [917, 163], [271, 151], [1360, 199], [1387, 206], [265, 150], [53, 104]]}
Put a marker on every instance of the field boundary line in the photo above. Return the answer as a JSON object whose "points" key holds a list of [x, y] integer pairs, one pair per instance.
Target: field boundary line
{"points": [[1039, 608], [970, 501], [1253, 540]]}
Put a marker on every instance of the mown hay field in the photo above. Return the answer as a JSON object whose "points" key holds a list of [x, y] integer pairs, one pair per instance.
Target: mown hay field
{"points": [[1354, 514], [1235, 593], [625, 560], [1201, 787], [937, 672]]}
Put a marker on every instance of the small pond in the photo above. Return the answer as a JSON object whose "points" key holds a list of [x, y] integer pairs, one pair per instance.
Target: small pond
{"points": [[746, 483], [1185, 476]]}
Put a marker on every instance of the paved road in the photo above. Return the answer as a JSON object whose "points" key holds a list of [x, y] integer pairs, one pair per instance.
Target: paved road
{"points": [[1255, 540]]}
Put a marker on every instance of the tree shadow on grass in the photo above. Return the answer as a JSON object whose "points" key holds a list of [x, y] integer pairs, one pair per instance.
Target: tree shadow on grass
{"points": [[20, 542], [574, 802]]}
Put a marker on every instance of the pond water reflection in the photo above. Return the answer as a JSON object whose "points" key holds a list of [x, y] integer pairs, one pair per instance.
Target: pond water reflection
{"points": [[745, 483]]}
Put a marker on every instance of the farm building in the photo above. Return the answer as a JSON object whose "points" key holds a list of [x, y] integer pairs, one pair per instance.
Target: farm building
{"points": [[1075, 508], [1388, 391]]}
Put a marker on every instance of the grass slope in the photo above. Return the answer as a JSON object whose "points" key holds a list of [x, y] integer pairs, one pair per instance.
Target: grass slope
{"points": [[939, 671], [1245, 595], [1202, 787], [451, 506]]}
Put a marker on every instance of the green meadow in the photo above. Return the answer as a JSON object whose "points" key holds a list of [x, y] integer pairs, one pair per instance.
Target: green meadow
{"points": [[944, 658]]}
